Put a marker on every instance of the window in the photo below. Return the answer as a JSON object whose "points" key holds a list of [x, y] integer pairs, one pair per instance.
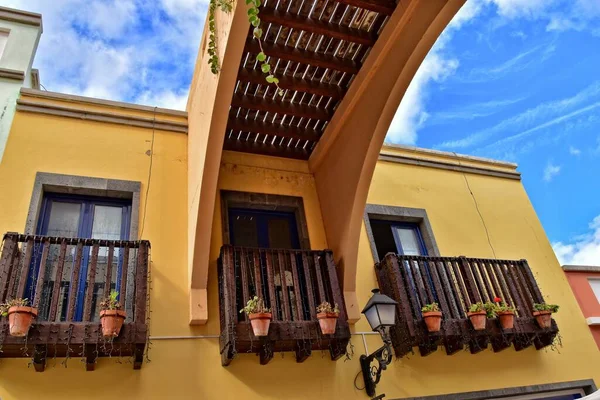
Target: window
{"points": [[268, 229], [400, 238], [3, 40], [72, 216], [595, 284]]}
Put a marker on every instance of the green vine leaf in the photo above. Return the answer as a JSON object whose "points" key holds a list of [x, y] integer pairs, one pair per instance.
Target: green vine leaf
{"points": [[265, 68], [261, 56]]}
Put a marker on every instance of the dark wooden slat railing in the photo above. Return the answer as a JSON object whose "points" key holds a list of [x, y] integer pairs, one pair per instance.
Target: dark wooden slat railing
{"points": [[455, 283], [292, 283], [50, 271]]}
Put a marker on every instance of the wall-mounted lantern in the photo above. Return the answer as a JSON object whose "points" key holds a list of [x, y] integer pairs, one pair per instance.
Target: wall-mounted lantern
{"points": [[381, 314]]}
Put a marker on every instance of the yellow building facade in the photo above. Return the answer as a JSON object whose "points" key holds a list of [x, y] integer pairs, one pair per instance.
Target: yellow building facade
{"points": [[151, 159]]}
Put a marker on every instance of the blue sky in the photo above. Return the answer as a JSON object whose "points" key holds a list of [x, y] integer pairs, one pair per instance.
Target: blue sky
{"points": [[515, 80]]}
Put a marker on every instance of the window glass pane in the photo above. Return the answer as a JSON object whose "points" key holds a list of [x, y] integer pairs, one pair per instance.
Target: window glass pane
{"points": [[279, 233], [64, 219], [409, 241], [3, 40], [107, 222], [595, 284], [245, 230]]}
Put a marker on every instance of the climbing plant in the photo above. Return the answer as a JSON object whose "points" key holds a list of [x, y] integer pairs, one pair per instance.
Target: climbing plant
{"points": [[254, 19]]}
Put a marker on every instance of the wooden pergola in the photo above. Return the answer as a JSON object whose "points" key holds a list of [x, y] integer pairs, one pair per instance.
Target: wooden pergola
{"points": [[315, 49]]}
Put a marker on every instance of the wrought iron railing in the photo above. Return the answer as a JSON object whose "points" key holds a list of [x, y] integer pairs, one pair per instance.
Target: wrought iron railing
{"points": [[292, 283], [455, 283], [66, 279]]}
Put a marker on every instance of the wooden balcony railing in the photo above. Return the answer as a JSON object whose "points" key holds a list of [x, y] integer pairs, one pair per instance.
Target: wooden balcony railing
{"points": [[66, 279], [455, 283], [292, 283]]}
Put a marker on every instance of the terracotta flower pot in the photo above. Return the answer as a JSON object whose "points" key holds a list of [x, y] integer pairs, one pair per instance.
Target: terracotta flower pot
{"points": [[478, 319], [112, 322], [328, 321], [507, 319], [433, 320], [20, 320], [260, 323], [543, 318]]}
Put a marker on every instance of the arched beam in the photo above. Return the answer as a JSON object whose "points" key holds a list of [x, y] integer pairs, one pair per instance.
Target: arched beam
{"points": [[344, 159], [208, 109]]}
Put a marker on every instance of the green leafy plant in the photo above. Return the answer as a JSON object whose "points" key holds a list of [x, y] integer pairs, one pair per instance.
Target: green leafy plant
{"points": [[325, 307], [553, 308], [255, 305], [488, 307], [12, 303], [254, 19], [111, 302], [433, 307]]}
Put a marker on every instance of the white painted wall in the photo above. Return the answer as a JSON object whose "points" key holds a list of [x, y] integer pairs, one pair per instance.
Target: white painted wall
{"points": [[19, 51]]}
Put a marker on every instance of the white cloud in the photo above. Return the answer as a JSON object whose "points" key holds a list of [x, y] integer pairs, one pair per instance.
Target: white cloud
{"points": [[551, 171], [574, 151], [126, 50], [581, 250], [522, 8], [436, 67], [532, 120]]}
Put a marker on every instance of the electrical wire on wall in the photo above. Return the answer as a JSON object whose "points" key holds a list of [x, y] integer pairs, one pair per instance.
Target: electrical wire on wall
{"points": [[487, 233], [149, 174]]}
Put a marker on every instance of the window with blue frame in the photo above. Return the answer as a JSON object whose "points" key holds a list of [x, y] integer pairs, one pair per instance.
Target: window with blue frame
{"points": [[398, 237], [72, 216]]}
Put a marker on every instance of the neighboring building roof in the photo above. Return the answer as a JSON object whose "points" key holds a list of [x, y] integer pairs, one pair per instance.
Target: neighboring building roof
{"points": [[23, 17], [581, 268]]}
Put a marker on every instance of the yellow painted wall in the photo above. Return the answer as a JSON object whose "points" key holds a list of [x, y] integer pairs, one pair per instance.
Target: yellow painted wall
{"points": [[190, 368]]}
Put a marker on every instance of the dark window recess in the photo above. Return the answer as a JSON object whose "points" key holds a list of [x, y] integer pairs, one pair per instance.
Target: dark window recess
{"points": [[267, 229], [398, 238]]}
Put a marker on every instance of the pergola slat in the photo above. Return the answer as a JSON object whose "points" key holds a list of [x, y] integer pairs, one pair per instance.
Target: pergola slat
{"points": [[290, 83], [381, 7], [280, 107], [288, 53], [319, 27], [265, 149], [267, 128]]}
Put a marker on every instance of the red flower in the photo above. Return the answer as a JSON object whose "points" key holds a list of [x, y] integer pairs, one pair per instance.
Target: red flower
{"points": [[497, 300]]}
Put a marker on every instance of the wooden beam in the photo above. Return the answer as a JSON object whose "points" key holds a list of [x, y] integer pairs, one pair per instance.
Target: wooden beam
{"points": [[318, 27], [289, 53], [381, 7], [280, 107], [268, 128], [299, 84], [266, 149]]}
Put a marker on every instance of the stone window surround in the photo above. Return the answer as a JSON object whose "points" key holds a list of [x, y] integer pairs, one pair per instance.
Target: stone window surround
{"points": [[400, 214], [588, 386], [266, 202], [46, 182]]}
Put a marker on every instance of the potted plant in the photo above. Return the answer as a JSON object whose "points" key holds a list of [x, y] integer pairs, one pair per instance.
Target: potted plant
{"points": [[111, 315], [543, 314], [259, 315], [327, 317], [432, 316], [505, 313], [478, 314], [20, 316]]}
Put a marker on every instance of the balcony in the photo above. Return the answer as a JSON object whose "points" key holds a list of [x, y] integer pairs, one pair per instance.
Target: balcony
{"points": [[292, 283], [66, 279], [455, 283]]}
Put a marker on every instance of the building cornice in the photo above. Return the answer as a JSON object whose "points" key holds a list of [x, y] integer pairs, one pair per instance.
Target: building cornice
{"points": [[12, 74], [100, 116], [581, 268], [448, 154], [450, 166], [20, 16], [43, 94]]}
